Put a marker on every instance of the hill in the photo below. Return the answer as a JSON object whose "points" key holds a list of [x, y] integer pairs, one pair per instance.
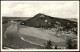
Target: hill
{"points": [[45, 21]]}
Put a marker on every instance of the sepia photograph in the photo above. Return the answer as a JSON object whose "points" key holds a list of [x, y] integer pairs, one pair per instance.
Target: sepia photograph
{"points": [[39, 51], [39, 25]]}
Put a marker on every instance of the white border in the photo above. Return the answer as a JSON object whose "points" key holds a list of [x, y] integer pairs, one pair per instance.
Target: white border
{"points": [[40, 49]]}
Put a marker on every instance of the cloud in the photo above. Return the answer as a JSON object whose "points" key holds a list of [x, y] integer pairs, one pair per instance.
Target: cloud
{"points": [[63, 9]]}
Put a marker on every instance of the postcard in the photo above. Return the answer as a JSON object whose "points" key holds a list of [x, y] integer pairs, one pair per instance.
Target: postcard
{"points": [[39, 25]]}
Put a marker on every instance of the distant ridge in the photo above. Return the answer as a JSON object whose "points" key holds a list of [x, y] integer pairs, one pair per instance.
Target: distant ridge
{"points": [[15, 18], [72, 19]]}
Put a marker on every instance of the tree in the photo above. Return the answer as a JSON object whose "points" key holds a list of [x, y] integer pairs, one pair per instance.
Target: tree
{"points": [[48, 45], [71, 44]]}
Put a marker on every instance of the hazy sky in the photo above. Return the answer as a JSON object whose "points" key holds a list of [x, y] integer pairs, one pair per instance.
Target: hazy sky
{"points": [[63, 9]]}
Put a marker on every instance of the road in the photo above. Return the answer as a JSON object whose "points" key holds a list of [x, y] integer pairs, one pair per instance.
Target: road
{"points": [[12, 29], [13, 35]]}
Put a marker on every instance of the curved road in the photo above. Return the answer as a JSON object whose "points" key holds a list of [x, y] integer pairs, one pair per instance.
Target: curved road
{"points": [[12, 34], [12, 29]]}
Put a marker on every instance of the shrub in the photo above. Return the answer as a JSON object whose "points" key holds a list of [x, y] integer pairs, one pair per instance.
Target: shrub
{"points": [[48, 45]]}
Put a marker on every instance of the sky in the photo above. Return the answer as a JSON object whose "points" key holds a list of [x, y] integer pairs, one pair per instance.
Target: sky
{"points": [[62, 9]]}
